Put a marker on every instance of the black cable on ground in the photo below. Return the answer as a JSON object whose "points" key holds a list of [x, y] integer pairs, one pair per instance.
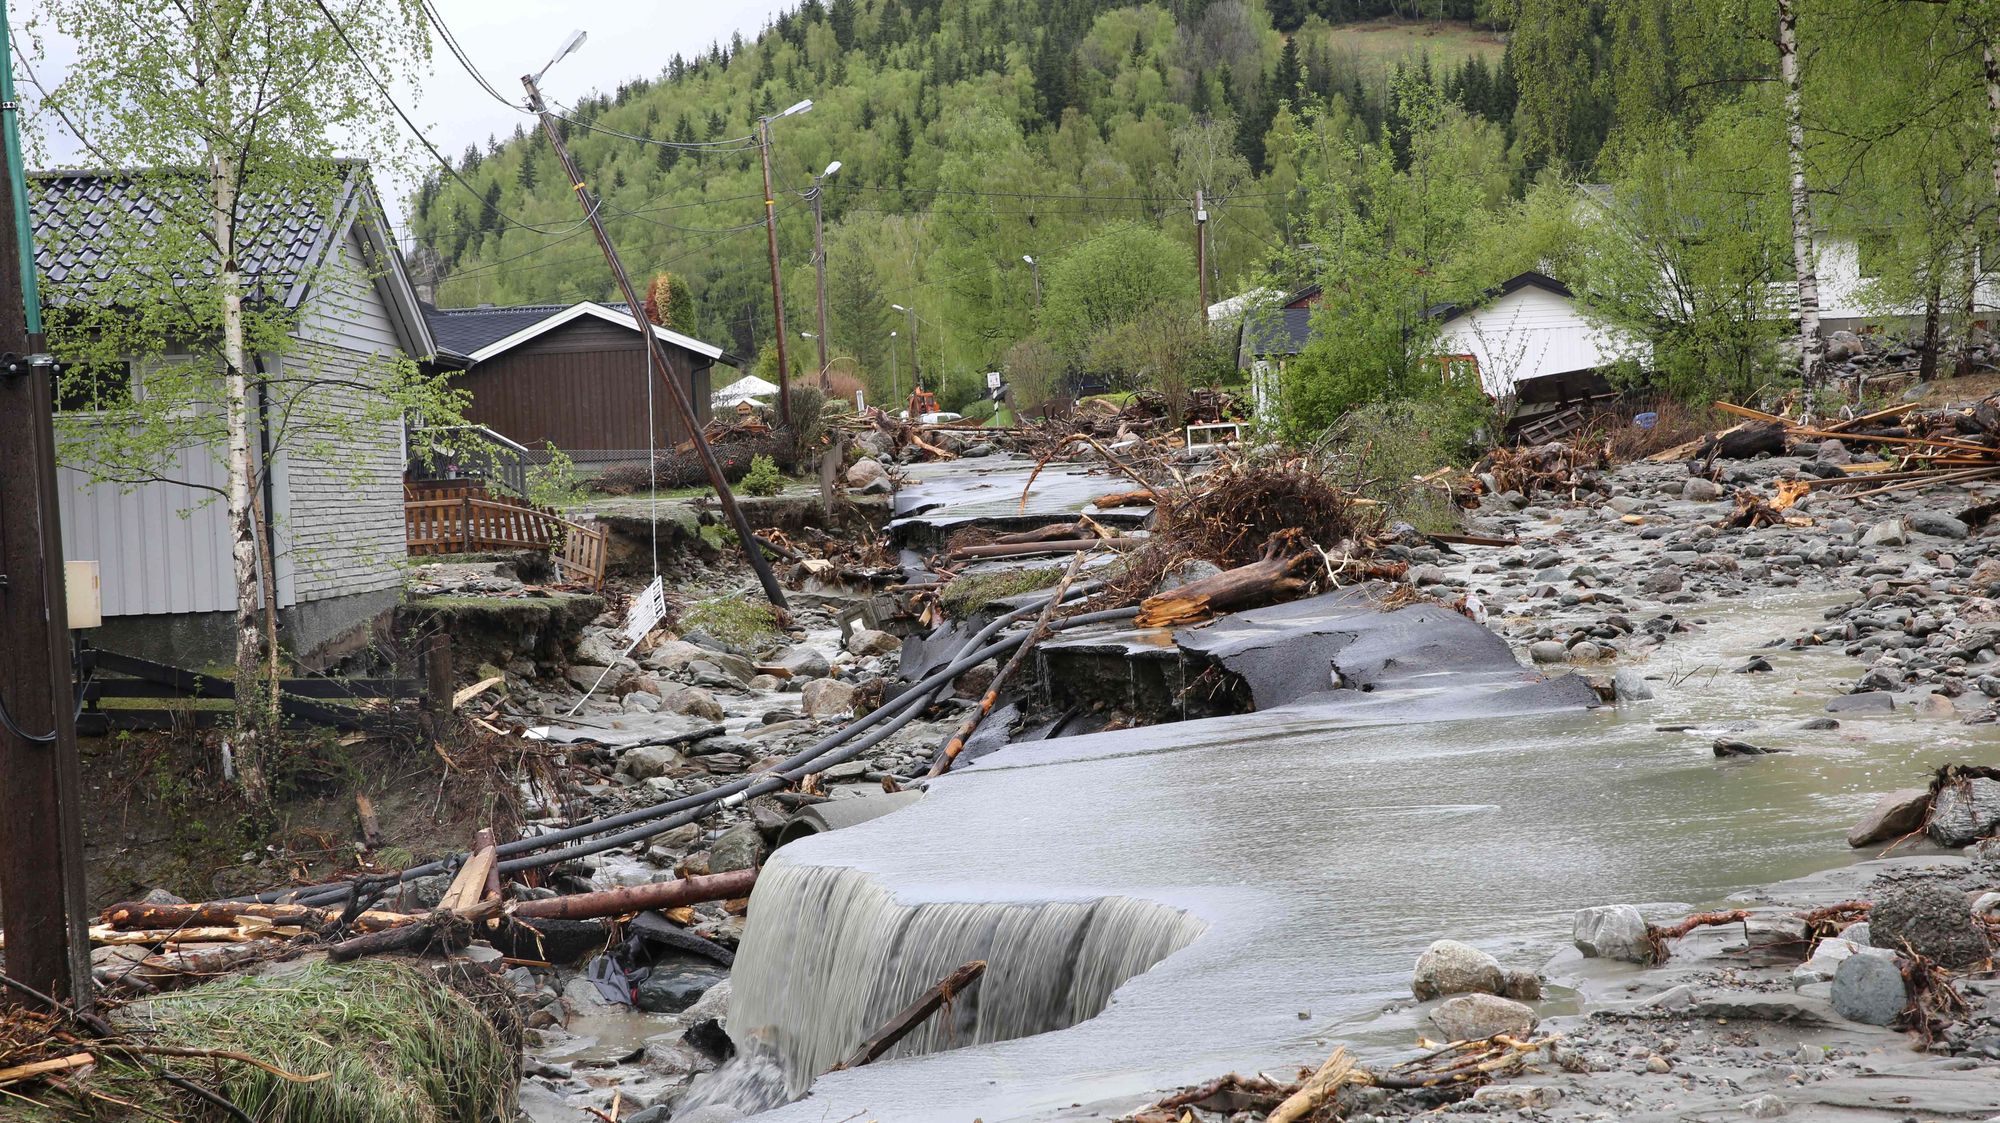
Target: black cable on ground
{"points": [[903, 709]]}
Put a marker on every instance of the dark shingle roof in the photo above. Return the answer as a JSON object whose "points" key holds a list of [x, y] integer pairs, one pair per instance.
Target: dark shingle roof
{"points": [[1283, 331], [86, 221], [465, 330]]}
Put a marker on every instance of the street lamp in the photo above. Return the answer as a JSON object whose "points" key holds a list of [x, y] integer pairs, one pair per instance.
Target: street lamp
{"points": [[916, 358], [771, 237], [1035, 268], [813, 194], [895, 391]]}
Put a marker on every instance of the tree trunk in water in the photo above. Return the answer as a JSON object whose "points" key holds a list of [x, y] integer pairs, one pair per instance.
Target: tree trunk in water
{"points": [[1811, 348], [1927, 366], [254, 703]]}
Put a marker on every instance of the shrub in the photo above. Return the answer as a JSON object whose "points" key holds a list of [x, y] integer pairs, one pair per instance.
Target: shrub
{"points": [[763, 477], [555, 484]]}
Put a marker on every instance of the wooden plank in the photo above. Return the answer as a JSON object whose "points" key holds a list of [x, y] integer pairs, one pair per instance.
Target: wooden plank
{"points": [[1746, 411], [470, 883], [914, 1015]]}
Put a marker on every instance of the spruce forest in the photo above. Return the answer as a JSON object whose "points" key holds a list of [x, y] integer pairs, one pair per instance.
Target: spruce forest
{"points": [[1400, 155]]}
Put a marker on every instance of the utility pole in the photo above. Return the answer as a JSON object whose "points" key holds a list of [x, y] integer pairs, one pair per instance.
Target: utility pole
{"points": [[916, 357], [1035, 270], [1201, 250], [895, 389], [777, 286], [819, 264], [41, 831], [675, 391]]}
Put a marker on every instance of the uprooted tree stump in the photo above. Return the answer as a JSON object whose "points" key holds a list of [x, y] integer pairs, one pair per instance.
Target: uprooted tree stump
{"points": [[1273, 578]]}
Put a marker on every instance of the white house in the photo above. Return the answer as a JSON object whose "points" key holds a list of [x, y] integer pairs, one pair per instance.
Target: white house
{"points": [[1528, 329]]}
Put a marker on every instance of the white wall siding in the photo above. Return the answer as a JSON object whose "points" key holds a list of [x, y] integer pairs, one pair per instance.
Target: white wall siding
{"points": [[1525, 334], [345, 510], [346, 308], [161, 548]]}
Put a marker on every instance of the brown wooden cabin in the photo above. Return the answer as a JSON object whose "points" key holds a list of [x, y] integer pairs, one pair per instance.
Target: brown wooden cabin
{"points": [[573, 376]]}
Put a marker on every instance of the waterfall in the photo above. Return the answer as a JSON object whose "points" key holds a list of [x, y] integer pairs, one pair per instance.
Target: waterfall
{"points": [[829, 956]]}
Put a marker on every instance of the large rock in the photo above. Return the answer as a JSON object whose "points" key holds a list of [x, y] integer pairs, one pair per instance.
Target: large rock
{"points": [[1548, 651], [868, 641], [803, 662], [1965, 812], [1937, 524], [673, 654], [1843, 345], [1701, 490], [1868, 987], [1893, 816], [1470, 1017], [1889, 532], [1613, 932], [741, 847], [1631, 686], [597, 649], [1450, 967], [647, 761], [1931, 920], [692, 701], [865, 471], [826, 697], [1864, 702], [670, 991]]}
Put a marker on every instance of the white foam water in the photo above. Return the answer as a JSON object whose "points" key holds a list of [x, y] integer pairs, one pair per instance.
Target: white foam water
{"points": [[832, 956]]}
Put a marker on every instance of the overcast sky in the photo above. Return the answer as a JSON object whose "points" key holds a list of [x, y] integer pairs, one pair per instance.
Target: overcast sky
{"points": [[506, 39]]}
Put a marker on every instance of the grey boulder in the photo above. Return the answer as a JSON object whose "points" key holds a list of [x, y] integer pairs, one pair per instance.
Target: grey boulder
{"points": [[1965, 812], [1868, 987], [1451, 967], [1470, 1017], [1613, 932]]}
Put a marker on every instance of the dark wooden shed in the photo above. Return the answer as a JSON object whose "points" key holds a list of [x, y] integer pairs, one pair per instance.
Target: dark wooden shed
{"points": [[574, 376]]}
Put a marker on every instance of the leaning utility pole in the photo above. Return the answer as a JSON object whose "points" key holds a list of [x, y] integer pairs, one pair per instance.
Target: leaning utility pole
{"points": [[777, 288], [41, 832], [814, 193], [1201, 251], [675, 391]]}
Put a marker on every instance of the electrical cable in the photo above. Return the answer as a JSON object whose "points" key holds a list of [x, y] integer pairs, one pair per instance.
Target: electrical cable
{"points": [[812, 758], [458, 52], [444, 163]]}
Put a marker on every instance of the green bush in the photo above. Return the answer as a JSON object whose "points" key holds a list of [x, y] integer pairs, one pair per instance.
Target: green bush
{"points": [[762, 478], [1380, 448], [555, 484]]}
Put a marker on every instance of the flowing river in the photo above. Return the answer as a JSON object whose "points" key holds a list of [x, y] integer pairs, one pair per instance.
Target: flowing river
{"points": [[1285, 869]]}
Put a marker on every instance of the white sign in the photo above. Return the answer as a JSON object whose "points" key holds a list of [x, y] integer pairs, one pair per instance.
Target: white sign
{"points": [[648, 609], [992, 380], [84, 594]]}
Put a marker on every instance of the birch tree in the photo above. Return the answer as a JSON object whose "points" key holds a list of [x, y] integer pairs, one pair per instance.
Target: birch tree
{"points": [[1812, 350], [225, 121]]}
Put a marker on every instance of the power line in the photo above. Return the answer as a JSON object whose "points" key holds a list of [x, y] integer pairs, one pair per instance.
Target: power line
{"points": [[731, 145], [383, 88], [458, 52]]}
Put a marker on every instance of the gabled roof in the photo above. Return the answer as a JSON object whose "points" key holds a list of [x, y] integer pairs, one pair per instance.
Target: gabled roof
{"points": [[479, 334], [1282, 331], [80, 217], [1512, 284]]}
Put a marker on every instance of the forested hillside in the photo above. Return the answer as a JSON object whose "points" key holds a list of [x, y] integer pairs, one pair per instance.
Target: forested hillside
{"points": [[974, 132], [970, 134]]}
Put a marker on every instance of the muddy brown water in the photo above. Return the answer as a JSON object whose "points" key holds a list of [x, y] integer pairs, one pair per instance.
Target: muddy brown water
{"points": [[1319, 852]]}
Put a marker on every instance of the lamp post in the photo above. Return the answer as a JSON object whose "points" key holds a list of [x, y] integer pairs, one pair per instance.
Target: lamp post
{"points": [[895, 391], [813, 193], [916, 359], [771, 237], [1035, 268]]}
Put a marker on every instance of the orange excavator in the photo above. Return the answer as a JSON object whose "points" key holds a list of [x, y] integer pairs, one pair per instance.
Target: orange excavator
{"points": [[922, 402]]}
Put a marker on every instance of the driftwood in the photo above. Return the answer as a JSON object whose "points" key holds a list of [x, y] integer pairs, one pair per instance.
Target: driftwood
{"points": [[957, 743], [1744, 442], [447, 928], [469, 886], [139, 915], [1053, 532], [1059, 546], [914, 1015], [1657, 935], [179, 967], [1319, 1088], [371, 827], [36, 1069], [639, 898], [1273, 578], [1139, 498]]}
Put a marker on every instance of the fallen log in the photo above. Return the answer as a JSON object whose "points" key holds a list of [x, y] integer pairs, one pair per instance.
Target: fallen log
{"points": [[449, 929], [140, 915], [1744, 442], [639, 898], [971, 723], [32, 1070], [1319, 1088], [1053, 532], [185, 967], [1139, 498], [1657, 935], [927, 1003], [1273, 578]]}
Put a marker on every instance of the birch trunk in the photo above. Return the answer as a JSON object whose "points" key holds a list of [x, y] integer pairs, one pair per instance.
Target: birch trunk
{"points": [[1811, 348], [1992, 58], [253, 702]]}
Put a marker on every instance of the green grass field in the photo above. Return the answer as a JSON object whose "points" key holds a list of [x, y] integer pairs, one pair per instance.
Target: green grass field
{"points": [[1377, 46]]}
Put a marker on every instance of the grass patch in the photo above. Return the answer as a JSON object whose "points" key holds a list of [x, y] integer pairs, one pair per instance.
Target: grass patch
{"points": [[1375, 47], [967, 595], [735, 621], [396, 1044]]}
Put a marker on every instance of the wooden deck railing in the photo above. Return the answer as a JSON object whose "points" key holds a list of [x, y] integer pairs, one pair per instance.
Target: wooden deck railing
{"points": [[472, 521]]}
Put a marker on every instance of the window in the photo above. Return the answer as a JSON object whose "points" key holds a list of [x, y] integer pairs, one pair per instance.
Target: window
{"points": [[1460, 368], [91, 387]]}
